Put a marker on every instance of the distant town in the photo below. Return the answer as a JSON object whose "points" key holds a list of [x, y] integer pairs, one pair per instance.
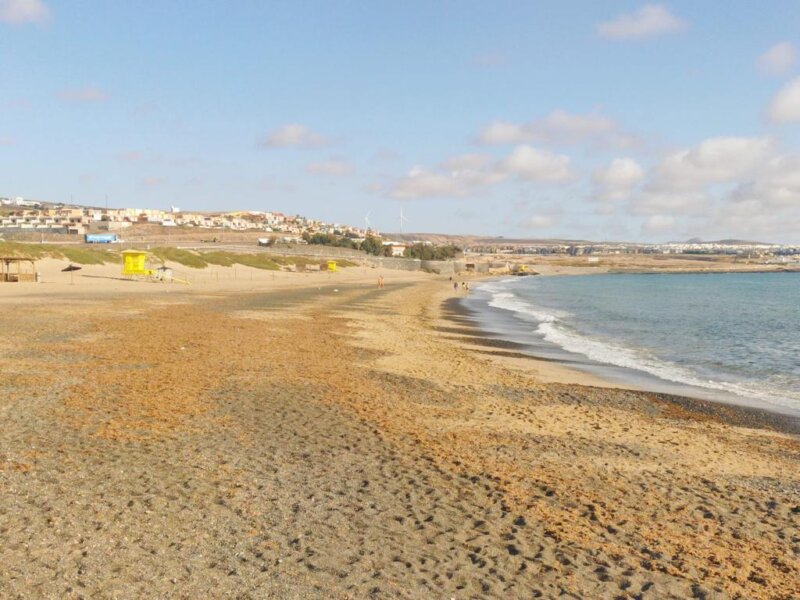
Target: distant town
{"points": [[23, 216], [723, 247]]}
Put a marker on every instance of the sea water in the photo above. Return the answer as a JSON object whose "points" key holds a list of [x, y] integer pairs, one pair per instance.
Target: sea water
{"points": [[733, 336]]}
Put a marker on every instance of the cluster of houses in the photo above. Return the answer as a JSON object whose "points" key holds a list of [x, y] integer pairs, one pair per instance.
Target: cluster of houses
{"points": [[731, 248], [20, 214]]}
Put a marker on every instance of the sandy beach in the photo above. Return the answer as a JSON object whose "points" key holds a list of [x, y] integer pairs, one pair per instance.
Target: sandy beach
{"points": [[260, 435]]}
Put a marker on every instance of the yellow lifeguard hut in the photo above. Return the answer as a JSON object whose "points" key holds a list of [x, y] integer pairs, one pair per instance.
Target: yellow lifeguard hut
{"points": [[134, 262], [332, 266]]}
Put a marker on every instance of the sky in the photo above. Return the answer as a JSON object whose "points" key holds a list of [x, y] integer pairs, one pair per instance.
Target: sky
{"points": [[609, 120]]}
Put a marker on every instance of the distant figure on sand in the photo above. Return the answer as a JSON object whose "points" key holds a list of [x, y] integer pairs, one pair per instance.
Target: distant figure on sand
{"points": [[380, 281], [455, 286]]}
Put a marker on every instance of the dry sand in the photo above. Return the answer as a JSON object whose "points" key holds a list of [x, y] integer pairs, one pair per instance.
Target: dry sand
{"points": [[315, 437]]}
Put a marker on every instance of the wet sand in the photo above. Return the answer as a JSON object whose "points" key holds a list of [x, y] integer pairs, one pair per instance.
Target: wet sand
{"points": [[304, 442]]}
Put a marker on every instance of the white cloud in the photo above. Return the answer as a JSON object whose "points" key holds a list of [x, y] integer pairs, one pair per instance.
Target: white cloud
{"points": [[752, 219], [778, 60], [686, 182], [479, 177], [783, 171], [715, 160], [572, 127], [7, 140], [293, 134], [649, 21], [724, 187], [456, 177], [658, 223], [618, 180], [539, 222], [776, 187], [502, 132], [335, 168], [559, 128], [466, 162], [532, 164], [153, 181], [420, 183], [470, 174], [785, 106], [650, 202], [86, 94], [19, 12]]}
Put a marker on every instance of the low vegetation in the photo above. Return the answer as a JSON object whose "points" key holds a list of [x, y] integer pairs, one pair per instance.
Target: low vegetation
{"points": [[75, 254], [371, 244], [268, 262], [374, 245], [187, 258], [26, 250], [430, 252], [89, 255]]}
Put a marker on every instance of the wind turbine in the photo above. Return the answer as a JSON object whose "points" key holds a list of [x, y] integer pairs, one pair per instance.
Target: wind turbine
{"points": [[403, 220]]}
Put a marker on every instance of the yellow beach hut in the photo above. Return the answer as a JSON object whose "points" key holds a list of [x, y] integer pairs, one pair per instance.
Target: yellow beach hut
{"points": [[134, 262]]}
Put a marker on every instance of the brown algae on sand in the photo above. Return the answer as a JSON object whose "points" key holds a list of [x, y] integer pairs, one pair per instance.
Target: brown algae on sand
{"points": [[344, 447]]}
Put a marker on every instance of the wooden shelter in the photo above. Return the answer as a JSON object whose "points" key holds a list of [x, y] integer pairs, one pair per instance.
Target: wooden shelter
{"points": [[17, 269]]}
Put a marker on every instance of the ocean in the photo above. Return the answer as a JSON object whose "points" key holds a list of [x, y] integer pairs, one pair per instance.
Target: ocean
{"points": [[732, 337]]}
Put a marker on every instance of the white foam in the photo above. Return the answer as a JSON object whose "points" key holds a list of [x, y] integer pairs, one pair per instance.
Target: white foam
{"points": [[552, 328], [496, 285], [508, 301], [503, 298]]}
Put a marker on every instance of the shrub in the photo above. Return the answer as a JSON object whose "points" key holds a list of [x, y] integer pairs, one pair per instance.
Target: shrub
{"points": [[187, 258], [87, 256]]}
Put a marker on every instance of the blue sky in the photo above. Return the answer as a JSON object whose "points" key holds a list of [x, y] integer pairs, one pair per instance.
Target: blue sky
{"points": [[601, 120]]}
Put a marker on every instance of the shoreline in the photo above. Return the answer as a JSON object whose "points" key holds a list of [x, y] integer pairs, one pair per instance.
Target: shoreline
{"points": [[731, 413], [547, 270]]}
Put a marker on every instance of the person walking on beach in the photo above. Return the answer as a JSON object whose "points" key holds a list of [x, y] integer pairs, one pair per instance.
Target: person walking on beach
{"points": [[455, 286]]}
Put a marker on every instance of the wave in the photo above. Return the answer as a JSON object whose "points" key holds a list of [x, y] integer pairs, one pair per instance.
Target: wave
{"points": [[552, 327], [504, 299]]}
